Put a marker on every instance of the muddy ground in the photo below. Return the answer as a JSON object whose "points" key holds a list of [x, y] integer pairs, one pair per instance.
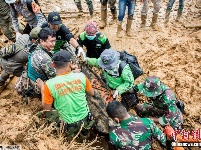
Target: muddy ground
{"points": [[172, 53]]}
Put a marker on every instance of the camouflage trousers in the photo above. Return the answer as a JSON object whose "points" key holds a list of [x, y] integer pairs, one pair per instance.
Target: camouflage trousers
{"points": [[175, 119], [111, 5], [89, 4], [145, 7], [71, 129], [5, 21]]}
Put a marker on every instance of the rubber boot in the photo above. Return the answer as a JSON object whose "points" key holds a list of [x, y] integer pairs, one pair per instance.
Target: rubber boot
{"points": [[90, 7], [128, 27], [167, 16], [103, 22], [154, 20], [143, 19], [1, 33], [114, 19], [179, 14], [119, 29]]}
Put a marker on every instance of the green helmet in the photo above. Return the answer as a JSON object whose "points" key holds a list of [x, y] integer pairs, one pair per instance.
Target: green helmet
{"points": [[151, 87]]}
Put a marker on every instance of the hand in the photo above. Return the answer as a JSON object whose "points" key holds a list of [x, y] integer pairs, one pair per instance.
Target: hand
{"points": [[81, 51], [18, 34], [35, 7], [168, 130], [116, 93], [39, 83]]}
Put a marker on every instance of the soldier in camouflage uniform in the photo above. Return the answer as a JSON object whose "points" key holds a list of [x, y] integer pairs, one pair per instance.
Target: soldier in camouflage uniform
{"points": [[32, 16], [162, 104], [5, 21], [89, 4], [40, 61], [132, 132], [145, 9], [14, 56], [113, 9]]}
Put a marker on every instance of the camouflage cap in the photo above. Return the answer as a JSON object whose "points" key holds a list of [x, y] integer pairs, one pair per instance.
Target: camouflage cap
{"points": [[34, 32], [151, 87]]}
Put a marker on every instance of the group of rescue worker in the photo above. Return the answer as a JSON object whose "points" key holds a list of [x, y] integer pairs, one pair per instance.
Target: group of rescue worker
{"points": [[53, 76]]}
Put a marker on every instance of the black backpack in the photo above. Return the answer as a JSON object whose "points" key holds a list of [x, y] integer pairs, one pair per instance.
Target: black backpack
{"points": [[133, 63]]}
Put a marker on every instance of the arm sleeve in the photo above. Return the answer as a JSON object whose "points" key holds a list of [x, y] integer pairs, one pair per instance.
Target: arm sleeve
{"points": [[47, 96], [79, 41], [48, 69], [40, 18], [107, 44], [114, 139], [157, 133], [128, 80], [88, 84], [93, 62], [68, 34], [14, 14]]}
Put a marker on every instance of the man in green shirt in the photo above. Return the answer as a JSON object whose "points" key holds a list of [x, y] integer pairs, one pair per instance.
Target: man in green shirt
{"points": [[109, 61], [67, 92]]}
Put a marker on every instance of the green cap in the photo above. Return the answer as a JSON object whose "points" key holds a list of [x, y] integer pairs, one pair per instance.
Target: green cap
{"points": [[34, 32], [151, 87]]}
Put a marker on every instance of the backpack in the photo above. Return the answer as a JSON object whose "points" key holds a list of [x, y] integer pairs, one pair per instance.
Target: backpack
{"points": [[133, 63]]}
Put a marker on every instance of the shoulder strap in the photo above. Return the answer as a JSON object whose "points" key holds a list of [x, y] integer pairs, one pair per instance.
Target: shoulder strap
{"points": [[121, 67], [97, 35]]}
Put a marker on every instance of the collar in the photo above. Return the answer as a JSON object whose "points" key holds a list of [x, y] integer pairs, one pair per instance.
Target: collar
{"points": [[127, 121], [46, 51]]}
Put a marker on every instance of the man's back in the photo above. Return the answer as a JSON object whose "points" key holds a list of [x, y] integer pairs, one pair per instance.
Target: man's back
{"points": [[136, 133]]}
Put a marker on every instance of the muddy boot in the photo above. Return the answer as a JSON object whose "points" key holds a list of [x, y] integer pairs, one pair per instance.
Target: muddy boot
{"points": [[128, 27], [179, 14], [114, 19], [167, 16], [103, 22], [2, 86], [143, 19], [90, 7], [119, 29], [1, 33]]}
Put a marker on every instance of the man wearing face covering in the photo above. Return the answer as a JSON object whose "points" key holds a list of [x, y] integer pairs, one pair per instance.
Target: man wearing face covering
{"points": [[94, 41]]}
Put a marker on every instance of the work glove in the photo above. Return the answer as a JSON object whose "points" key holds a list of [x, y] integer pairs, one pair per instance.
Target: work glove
{"points": [[116, 93], [81, 51], [18, 34]]}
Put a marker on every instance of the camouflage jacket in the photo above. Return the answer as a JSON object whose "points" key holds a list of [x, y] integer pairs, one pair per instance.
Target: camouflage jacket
{"points": [[40, 64], [136, 133], [32, 19], [167, 103]]}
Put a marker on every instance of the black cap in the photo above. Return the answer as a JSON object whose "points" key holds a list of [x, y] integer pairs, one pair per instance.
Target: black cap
{"points": [[62, 56], [54, 18]]}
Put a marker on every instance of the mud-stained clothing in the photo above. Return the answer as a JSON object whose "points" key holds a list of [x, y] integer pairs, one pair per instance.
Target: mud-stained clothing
{"points": [[63, 35], [136, 133], [33, 20], [171, 3], [163, 106], [94, 47], [156, 6], [89, 4], [121, 83], [68, 93], [5, 21], [40, 64], [111, 5], [14, 57]]}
